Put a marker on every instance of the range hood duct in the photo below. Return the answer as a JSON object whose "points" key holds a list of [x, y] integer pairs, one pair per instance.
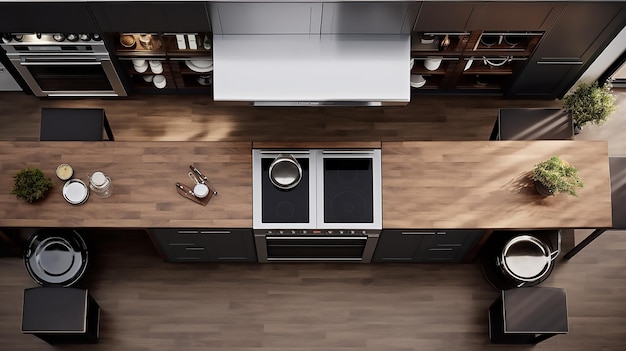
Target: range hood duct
{"points": [[312, 70]]}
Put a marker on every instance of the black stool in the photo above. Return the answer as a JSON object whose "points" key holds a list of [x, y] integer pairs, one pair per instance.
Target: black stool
{"points": [[528, 315], [60, 315], [74, 124]]}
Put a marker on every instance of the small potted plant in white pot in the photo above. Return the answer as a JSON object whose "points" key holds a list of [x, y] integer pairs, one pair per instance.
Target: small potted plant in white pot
{"points": [[31, 184], [556, 175], [590, 103]]}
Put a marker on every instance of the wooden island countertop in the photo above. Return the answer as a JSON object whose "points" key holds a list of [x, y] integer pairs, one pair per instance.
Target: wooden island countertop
{"points": [[429, 184], [484, 184], [143, 177]]}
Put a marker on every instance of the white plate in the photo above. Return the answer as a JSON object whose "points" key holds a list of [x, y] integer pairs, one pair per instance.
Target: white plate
{"points": [[202, 63], [199, 69], [75, 191]]}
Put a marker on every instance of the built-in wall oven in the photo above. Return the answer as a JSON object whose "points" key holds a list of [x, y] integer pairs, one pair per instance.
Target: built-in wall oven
{"points": [[64, 68], [332, 214]]}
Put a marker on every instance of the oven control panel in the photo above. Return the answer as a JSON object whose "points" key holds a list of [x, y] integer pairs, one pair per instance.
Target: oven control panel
{"points": [[316, 232]]}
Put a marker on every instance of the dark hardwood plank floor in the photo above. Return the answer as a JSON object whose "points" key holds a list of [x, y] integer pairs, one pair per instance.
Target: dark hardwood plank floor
{"points": [[148, 304]]}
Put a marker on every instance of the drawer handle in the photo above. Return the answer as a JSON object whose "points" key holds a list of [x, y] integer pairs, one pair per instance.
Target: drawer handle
{"points": [[419, 233], [215, 232], [194, 248], [440, 249]]}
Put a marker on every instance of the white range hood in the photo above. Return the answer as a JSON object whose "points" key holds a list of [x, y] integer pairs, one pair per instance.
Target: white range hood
{"points": [[312, 70]]}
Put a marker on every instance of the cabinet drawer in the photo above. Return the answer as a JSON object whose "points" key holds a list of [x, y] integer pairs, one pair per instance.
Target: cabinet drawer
{"points": [[186, 253]]}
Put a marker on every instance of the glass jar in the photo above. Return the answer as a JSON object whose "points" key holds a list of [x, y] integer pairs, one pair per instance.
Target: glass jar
{"points": [[100, 184]]}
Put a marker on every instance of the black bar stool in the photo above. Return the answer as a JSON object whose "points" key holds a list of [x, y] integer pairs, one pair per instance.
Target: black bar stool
{"points": [[74, 124], [61, 315]]}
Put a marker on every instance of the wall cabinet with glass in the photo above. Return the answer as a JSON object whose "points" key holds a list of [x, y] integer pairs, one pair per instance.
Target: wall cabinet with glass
{"points": [[164, 63], [477, 60]]}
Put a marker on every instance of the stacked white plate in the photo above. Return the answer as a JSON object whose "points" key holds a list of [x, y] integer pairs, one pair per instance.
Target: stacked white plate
{"points": [[75, 191], [159, 81], [140, 65], [417, 81], [156, 66], [201, 66]]}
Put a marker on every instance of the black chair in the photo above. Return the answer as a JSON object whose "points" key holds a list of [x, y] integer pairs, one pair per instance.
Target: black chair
{"points": [[74, 124]]}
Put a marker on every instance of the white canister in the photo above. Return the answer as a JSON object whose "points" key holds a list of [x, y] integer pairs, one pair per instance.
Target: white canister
{"points": [[100, 184]]}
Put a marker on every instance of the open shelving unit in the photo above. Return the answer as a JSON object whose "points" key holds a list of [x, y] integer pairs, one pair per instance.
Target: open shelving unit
{"points": [[476, 60], [179, 76]]}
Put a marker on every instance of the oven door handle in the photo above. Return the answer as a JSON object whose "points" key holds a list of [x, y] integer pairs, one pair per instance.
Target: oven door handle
{"points": [[315, 237], [74, 63]]}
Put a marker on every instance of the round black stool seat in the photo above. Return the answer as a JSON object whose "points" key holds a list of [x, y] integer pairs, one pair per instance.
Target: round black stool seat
{"points": [[56, 258]]}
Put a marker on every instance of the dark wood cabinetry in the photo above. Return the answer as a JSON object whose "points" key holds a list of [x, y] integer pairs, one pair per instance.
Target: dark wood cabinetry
{"points": [[579, 34], [205, 245], [151, 16], [47, 17], [425, 245]]}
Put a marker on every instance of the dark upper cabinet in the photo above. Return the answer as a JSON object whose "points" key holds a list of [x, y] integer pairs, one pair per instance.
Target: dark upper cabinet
{"points": [[368, 17], [489, 16], [443, 16], [514, 16], [141, 17], [580, 33], [49, 17]]}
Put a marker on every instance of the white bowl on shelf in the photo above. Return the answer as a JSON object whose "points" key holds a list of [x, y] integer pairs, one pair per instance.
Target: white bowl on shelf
{"points": [[433, 63], [142, 68], [139, 62], [159, 81], [417, 81], [200, 66], [156, 66]]}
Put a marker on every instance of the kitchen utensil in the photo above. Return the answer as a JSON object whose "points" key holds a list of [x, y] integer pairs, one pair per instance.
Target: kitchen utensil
{"points": [[468, 64], [200, 190], [285, 172], [71, 36], [411, 63], [203, 178], [75, 191], [526, 259], [497, 62], [100, 184], [64, 171], [127, 41], [58, 37], [18, 37], [159, 81], [188, 191], [96, 37], [512, 40], [84, 36], [205, 80], [427, 38], [7, 38]]}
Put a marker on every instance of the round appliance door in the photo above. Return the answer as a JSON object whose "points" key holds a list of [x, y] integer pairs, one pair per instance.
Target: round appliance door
{"points": [[56, 258]]}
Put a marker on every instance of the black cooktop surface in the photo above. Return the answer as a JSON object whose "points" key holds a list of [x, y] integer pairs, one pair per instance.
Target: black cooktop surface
{"points": [[285, 206], [348, 190]]}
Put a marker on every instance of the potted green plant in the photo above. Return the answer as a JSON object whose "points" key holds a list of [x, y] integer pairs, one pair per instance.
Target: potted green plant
{"points": [[590, 103], [31, 184], [556, 175]]}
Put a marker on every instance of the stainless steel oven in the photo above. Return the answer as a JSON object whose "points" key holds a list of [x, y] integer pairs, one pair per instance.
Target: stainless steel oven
{"points": [[63, 68], [334, 213]]}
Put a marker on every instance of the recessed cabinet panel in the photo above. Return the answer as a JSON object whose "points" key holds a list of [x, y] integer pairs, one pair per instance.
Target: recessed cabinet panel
{"points": [[544, 78], [142, 17], [399, 245], [514, 16], [447, 245], [205, 245], [443, 16], [580, 26], [368, 17], [46, 17], [266, 18]]}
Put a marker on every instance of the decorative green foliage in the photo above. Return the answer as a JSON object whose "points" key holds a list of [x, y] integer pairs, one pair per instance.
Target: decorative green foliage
{"points": [[557, 176], [590, 103], [31, 184]]}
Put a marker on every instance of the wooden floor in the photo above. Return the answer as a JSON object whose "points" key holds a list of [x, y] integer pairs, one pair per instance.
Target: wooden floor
{"points": [[148, 304]]}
